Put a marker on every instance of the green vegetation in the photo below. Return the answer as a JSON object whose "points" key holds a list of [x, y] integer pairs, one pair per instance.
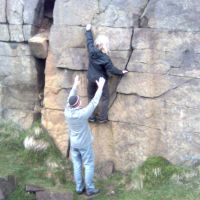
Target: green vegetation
{"points": [[155, 179], [157, 170]]}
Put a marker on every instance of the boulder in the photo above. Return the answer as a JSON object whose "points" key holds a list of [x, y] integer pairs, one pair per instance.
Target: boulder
{"points": [[44, 195], [39, 45], [34, 188], [29, 31], [7, 186]]}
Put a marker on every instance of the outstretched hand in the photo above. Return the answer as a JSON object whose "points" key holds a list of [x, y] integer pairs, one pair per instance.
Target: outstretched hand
{"points": [[76, 81], [88, 27], [124, 71], [101, 82]]}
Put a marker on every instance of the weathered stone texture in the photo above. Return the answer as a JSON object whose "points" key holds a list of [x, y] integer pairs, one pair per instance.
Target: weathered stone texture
{"points": [[62, 37], [77, 59], [16, 33], [14, 49], [54, 122], [4, 32], [69, 12], [162, 51], [29, 31], [149, 85], [132, 144], [14, 11], [173, 15], [155, 105], [7, 186], [24, 118], [121, 13], [154, 109], [18, 68], [43, 195], [3, 11], [33, 12]]}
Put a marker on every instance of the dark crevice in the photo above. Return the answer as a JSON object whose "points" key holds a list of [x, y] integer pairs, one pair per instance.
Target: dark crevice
{"points": [[131, 49], [129, 57], [45, 25], [158, 96], [6, 7], [143, 20]]}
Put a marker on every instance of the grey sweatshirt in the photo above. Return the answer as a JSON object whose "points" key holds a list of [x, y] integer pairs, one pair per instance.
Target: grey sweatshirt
{"points": [[77, 120]]}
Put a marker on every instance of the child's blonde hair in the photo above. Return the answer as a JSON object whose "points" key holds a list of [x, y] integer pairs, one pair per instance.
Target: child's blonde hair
{"points": [[102, 43]]}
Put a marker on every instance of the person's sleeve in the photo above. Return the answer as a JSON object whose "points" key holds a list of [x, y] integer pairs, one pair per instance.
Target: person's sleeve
{"points": [[89, 109], [112, 69], [90, 41]]}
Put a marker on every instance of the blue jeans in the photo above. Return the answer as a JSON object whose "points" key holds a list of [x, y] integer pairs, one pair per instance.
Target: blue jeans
{"points": [[83, 157]]}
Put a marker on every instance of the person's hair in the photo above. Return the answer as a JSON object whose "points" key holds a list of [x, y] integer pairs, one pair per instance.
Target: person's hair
{"points": [[102, 43]]}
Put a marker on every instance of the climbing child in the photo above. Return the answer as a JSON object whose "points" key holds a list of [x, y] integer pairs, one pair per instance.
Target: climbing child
{"points": [[100, 65]]}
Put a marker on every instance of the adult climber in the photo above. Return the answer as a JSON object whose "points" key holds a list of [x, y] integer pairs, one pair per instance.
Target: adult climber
{"points": [[81, 137]]}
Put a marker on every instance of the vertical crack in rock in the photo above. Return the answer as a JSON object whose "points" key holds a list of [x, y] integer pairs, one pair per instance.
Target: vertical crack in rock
{"points": [[23, 34], [105, 8], [143, 21], [131, 49], [129, 57], [39, 47], [6, 16]]}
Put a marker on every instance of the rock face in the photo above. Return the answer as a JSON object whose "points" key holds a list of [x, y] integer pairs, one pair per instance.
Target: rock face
{"points": [[154, 109], [18, 68], [7, 186]]}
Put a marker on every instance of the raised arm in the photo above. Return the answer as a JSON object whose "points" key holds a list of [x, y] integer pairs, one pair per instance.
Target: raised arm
{"points": [[89, 38], [73, 91], [89, 109]]}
